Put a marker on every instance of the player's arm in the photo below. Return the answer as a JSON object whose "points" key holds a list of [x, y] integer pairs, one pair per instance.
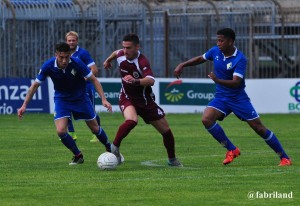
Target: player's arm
{"points": [[237, 78], [107, 62], [88, 60], [146, 81], [31, 91], [100, 91], [94, 70], [191, 62], [234, 83]]}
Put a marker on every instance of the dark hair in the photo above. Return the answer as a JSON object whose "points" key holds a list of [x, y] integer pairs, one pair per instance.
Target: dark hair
{"points": [[62, 47], [132, 38], [227, 33]]}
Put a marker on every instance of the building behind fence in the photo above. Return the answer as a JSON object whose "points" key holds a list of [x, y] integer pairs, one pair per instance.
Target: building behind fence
{"points": [[171, 31]]}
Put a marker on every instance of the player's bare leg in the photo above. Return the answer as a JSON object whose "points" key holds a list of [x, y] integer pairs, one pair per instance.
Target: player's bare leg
{"points": [[67, 140], [209, 120], [99, 132], [271, 140]]}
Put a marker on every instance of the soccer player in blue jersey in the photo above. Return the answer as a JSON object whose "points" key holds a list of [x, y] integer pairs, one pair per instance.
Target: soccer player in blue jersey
{"points": [[69, 75], [72, 39], [229, 76]]}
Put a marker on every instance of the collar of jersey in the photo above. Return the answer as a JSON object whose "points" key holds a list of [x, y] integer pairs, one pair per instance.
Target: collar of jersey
{"points": [[76, 50], [234, 53], [55, 63], [132, 61]]}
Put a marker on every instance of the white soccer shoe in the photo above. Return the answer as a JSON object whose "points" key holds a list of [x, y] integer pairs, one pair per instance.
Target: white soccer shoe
{"points": [[115, 150]]}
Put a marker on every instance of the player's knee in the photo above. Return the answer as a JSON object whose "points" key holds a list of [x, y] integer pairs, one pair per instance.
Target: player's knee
{"points": [[61, 133], [96, 130], [93, 126], [207, 122], [165, 131], [259, 129]]}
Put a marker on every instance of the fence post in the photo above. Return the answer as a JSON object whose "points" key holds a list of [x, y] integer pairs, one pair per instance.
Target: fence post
{"points": [[166, 25], [14, 53]]}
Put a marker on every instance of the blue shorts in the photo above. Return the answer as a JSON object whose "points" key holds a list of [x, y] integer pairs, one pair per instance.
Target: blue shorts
{"points": [[242, 108], [81, 110], [90, 91]]}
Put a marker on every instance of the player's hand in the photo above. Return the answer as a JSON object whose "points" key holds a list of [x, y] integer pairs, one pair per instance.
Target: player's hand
{"points": [[178, 71], [21, 111], [107, 65], [106, 104], [212, 76], [129, 79]]}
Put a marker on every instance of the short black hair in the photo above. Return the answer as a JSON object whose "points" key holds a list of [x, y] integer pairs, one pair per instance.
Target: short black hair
{"points": [[132, 38], [62, 47], [227, 33]]}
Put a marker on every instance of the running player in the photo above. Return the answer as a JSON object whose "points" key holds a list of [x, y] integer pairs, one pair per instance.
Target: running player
{"points": [[72, 38], [136, 96], [69, 75], [229, 76]]}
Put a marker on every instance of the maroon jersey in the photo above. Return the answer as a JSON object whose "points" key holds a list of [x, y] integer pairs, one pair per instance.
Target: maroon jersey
{"points": [[138, 68]]}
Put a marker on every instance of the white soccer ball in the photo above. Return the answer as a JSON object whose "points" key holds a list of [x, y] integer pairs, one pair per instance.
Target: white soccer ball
{"points": [[107, 161]]}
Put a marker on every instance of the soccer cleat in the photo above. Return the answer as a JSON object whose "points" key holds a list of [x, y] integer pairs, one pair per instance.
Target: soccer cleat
{"points": [[115, 150], [230, 155], [73, 135], [77, 160], [285, 162], [122, 158], [174, 163], [94, 139]]}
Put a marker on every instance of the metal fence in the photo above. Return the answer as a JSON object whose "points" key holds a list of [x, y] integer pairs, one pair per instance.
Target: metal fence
{"points": [[268, 32]]}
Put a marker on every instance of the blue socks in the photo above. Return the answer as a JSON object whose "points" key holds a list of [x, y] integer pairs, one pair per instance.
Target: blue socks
{"points": [[101, 135], [274, 143], [70, 125], [68, 141], [218, 133]]}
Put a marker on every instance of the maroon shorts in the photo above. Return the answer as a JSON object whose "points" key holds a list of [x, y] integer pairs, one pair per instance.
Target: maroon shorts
{"points": [[149, 112]]}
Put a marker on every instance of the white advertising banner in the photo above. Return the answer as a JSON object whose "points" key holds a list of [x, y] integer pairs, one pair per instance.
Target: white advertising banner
{"points": [[192, 95], [274, 95]]}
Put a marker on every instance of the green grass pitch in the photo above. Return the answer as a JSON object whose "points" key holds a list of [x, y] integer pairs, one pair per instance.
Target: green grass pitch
{"points": [[34, 166]]}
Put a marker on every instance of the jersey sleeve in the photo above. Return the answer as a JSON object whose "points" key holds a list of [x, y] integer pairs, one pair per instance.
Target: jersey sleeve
{"points": [[145, 68], [120, 52], [89, 75], [240, 69], [82, 67], [87, 59], [42, 75], [209, 55]]}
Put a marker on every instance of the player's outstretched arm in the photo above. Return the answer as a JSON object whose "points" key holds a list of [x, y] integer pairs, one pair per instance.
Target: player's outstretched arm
{"points": [[100, 91], [146, 81], [233, 83], [191, 62], [107, 62], [34, 86]]}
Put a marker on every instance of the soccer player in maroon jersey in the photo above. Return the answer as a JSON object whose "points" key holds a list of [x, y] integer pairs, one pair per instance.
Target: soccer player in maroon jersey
{"points": [[137, 98]]}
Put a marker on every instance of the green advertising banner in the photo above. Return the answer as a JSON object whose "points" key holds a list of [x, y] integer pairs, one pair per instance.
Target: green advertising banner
{"points": [[181, 93], [111, 91]]}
